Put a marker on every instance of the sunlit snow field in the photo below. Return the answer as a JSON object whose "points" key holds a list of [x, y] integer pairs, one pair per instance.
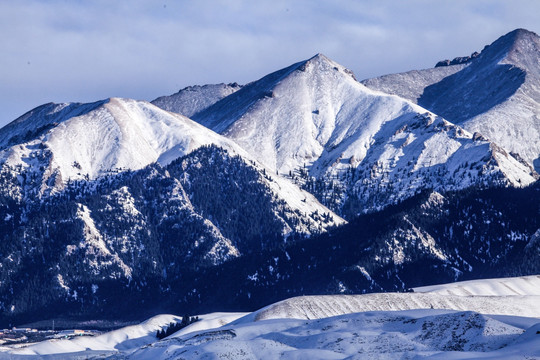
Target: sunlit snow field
{"points": [[488, 319]]}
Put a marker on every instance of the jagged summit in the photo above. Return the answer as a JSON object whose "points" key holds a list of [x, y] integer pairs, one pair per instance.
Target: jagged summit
{"points": [[324, 62], [514, 48], [220, 116], [514, 45], [290, 116]]}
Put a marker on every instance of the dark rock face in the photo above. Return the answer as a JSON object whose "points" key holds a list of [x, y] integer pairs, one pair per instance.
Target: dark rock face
{"points": [[458, 60]]}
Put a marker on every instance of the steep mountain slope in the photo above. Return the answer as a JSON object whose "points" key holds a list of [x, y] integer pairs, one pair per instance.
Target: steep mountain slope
{"points": [[356, 143], [496, 94], [428, 239], [410, 85], [115, 194], [75, 249], [193, 99]]}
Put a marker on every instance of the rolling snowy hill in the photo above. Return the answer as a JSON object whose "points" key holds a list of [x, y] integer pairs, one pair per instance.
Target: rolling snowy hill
{"points": [[394, 325]]}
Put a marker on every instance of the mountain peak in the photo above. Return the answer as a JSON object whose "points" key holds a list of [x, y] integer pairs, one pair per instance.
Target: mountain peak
{"points": [[319, 57], [322, 63], [522, 34], [322, 60], [519, 47]]}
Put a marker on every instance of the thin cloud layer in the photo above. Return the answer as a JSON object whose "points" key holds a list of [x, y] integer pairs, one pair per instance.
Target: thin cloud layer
{"points": [[83, 51]]}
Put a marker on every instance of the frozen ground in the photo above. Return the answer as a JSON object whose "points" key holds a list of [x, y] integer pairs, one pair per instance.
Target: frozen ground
{"points": [[500, 321]]}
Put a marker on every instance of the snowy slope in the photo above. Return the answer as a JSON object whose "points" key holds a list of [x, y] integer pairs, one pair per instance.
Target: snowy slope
{"points": [[316, 307], [193, 99], [314, 114], [40, 120], [118, 134], [410, 85], [431, 333], [496, 94], [525, 285]]}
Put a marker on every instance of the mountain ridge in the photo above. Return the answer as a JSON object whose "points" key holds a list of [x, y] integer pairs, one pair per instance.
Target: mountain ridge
{"points": [[314, 115]]}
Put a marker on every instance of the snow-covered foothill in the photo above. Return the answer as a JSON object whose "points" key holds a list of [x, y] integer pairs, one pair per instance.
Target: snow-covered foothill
{"points": [[107, 344], [517, 286], [388, 335], [316, 307], [432, 324]]}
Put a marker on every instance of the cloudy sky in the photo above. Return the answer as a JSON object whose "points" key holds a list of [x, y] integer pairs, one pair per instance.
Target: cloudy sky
{"points": [[65, 50]]}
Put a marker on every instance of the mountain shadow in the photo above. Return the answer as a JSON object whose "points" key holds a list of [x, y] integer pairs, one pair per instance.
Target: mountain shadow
{"points": [[460, 97]]}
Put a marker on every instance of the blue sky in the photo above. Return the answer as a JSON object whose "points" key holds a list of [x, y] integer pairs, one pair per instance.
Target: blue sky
{"points": [[64, 51]]}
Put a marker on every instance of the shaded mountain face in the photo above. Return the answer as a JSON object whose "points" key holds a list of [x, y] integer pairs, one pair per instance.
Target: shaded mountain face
{"points": [[194, 99], [428, 239], [495, 94]]}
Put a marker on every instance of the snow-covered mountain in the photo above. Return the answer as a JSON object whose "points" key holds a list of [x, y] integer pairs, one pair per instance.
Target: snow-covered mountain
{"points": [[118, 191], [193, 99], [81, 141], [152, 226], [377, 148], [233, 209], [495, 94], [88, 141]]}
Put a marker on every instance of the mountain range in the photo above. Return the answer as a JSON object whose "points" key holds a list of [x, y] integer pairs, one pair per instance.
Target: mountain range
{"points": [[376, 185]]}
